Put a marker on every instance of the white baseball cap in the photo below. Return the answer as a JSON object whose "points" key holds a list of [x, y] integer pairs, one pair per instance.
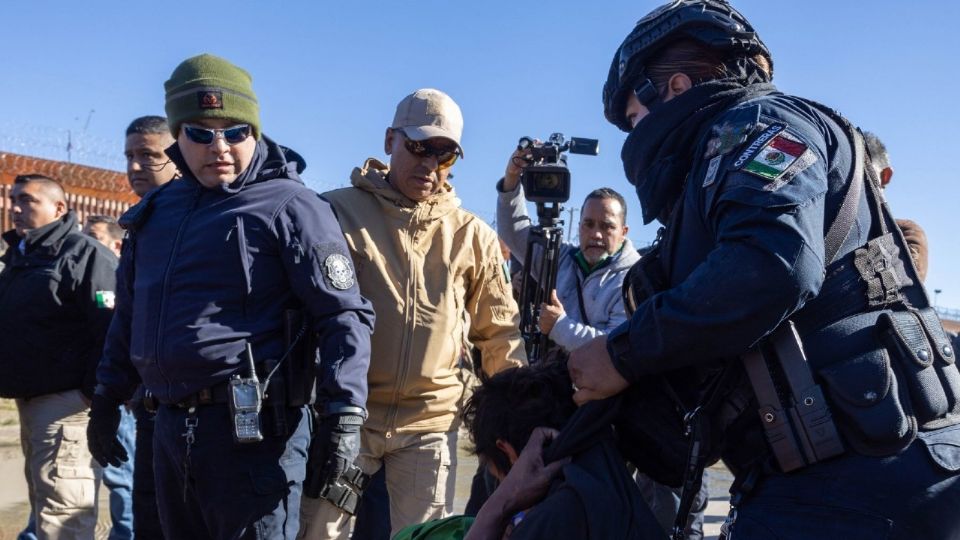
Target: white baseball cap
{"points": [[429, 113]]}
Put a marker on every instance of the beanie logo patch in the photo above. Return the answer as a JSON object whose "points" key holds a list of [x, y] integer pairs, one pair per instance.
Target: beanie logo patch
{"points": [[210, 99]]}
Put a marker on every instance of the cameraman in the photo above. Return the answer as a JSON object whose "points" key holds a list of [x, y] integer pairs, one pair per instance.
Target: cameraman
{"points": [[587, 301]]}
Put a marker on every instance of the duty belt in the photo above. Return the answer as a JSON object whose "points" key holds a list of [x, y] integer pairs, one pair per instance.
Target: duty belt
{"points": [[218, 393]]}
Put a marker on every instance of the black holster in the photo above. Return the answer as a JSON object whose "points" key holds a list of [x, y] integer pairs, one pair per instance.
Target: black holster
{"points": [[793, 411], [275, 399]]}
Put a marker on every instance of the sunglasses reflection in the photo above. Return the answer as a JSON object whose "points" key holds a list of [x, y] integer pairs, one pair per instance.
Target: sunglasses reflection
{"points": [[446, 154], [232, 135]]}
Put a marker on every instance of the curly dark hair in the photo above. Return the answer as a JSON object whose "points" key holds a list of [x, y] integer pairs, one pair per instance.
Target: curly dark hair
{"points": [[509, 405]]}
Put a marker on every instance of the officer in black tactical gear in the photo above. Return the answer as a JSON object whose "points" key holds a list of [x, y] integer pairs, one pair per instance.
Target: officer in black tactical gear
{"points": [[779, 323]]}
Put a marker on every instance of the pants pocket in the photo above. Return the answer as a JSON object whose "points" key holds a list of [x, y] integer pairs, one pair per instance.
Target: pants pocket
{"points": [[434, 464], [943, 446], [73, 473]]}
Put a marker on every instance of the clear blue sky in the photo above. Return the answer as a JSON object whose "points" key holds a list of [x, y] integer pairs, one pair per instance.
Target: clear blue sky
{"points": [[329, 74]]}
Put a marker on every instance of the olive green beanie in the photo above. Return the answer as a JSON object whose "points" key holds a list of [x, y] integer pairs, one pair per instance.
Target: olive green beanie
{"points": [[208, 86]]}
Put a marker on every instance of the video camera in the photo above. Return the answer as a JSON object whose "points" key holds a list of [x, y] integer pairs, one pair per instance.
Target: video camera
{"points": [[547, 178], [546, 182]]}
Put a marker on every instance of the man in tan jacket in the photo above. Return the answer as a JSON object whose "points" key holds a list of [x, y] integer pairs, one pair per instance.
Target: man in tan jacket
{"points": [[422, 261]]}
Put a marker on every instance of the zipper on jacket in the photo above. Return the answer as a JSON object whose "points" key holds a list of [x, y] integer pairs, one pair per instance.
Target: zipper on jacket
{"points": [[409, 314], [166, 282], [244, 264], [11, 274]]}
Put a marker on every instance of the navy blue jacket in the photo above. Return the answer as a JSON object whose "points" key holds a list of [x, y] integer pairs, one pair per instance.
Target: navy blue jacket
{"points": [[205, 271], [55, 307], [749, 250]]}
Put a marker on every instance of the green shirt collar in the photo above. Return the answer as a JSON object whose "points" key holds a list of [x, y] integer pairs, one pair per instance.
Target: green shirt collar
{"points": [[585, 266]]}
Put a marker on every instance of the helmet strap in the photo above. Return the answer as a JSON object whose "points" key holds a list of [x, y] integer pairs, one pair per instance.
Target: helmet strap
{"points": [[647, 95]]}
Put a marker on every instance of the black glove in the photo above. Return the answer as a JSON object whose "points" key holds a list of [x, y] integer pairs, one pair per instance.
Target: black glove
{"points": [[335, 446], [102, 431]]}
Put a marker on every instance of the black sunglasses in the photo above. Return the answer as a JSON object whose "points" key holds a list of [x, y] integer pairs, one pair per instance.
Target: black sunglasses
{"points": [[446, 156], [232, 135]]}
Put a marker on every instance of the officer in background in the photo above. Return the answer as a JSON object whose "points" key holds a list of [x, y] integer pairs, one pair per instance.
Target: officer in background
{"points": [[148, 167], [56, 302], [118, 480], [105, 230], [211, 268], [914, 235], [771, 231]]}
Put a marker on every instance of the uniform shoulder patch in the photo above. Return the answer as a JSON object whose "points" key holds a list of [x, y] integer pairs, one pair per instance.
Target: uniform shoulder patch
{"points": [[756, 145], [338, 271], [726, 137], [106, 299], [779, 161], [775, 156], [335, 265], [712, 169]]}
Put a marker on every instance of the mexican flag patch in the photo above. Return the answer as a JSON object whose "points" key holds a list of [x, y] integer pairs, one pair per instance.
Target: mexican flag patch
{"points": [[775, 158], [105, 299]]}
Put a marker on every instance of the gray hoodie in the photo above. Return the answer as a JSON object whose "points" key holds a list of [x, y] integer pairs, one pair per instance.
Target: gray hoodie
{"points": [[602, 301]]}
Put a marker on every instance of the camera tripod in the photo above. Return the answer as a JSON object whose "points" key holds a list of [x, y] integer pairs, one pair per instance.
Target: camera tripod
{"points": [[539, 277]]}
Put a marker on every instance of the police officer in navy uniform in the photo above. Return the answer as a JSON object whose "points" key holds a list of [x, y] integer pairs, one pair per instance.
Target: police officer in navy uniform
{"points": [[215, 268], [771, 232]]}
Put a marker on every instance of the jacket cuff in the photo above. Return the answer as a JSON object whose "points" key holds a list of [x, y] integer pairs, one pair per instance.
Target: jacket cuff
{"points": [[512, 193], [559, 333], [618, 346]]}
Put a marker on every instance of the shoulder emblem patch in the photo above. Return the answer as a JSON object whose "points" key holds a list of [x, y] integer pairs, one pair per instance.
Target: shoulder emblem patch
{"points": [[775, 158], [339, 271], [712, 169], [106, 299], [726, 137], [756, 145]]}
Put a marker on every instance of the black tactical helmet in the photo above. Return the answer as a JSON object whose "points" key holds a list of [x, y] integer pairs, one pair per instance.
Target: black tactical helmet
{"points": [[713, 23]]}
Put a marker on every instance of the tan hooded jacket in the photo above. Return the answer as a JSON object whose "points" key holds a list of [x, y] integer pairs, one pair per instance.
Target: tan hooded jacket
{"points": [[423, 265]]}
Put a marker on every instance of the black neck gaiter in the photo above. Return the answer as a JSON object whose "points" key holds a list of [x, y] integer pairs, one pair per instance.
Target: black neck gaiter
{"points": [[659, 152]]}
